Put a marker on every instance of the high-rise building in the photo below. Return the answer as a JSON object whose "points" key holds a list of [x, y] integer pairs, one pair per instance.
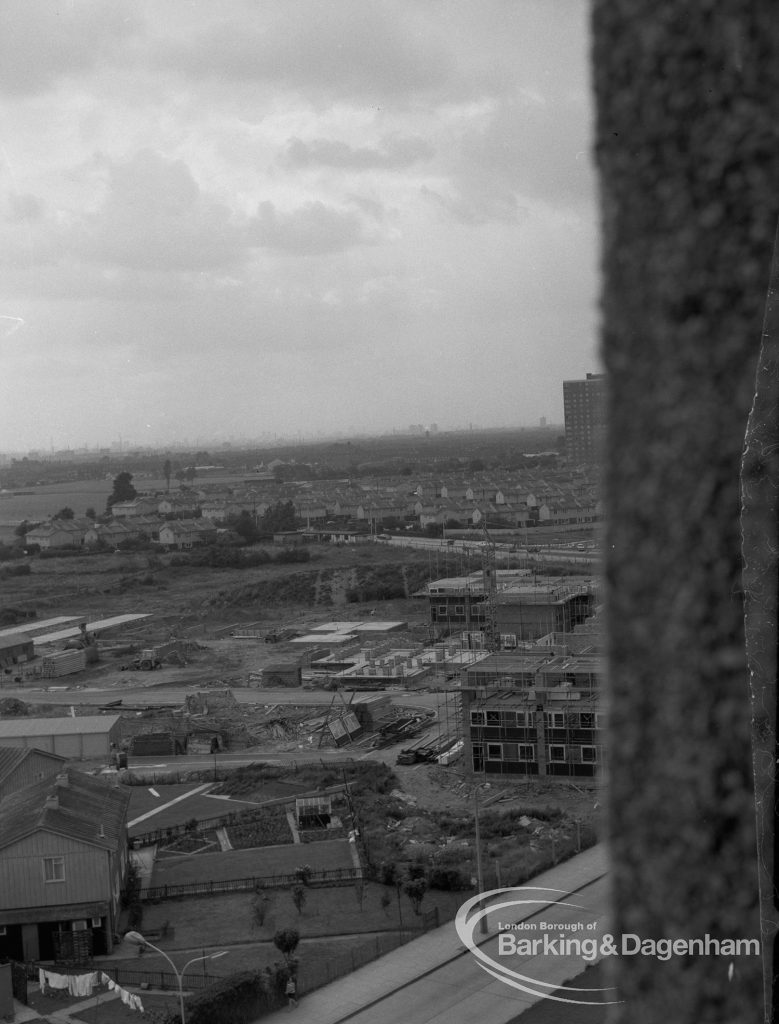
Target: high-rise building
{"points": [[584, 404]]}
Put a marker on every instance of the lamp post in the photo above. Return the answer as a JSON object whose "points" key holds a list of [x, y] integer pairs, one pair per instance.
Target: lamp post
{"points": [[137, 937], [477, 842]]}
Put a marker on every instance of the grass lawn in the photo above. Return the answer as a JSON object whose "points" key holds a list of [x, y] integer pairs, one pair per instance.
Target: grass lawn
{"points": [[113, 1011], [320, 960], [266, 860], [327, 911], [200, 806]]}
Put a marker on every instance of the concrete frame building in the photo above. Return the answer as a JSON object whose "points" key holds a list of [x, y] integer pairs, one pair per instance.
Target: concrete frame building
{"points": [[584, 405], [532, 714]]}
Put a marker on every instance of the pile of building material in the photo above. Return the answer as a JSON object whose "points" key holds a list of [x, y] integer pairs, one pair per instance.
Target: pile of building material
{"points": [[63, 663]]}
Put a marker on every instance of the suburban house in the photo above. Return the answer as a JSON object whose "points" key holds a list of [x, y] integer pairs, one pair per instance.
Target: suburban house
{"points": [[63, 861], [187, 533], [141, 506], [57, 533]]}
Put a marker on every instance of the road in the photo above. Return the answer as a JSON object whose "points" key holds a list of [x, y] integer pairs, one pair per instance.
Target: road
{"points": [[435, 980], [460, 992], [156, 696]]}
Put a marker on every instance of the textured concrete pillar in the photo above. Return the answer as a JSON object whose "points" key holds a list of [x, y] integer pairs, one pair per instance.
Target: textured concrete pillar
{"points": [[688, 155]]}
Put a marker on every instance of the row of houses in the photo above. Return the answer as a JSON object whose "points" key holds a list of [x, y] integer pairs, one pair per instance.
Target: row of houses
{"points": [[175, 533]]}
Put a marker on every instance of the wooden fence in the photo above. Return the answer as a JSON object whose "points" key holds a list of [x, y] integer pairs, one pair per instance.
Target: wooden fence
{"points": [[333, 876]]}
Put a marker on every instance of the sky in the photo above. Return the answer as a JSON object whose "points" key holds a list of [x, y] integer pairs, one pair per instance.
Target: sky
{"points": [[233, 220]]}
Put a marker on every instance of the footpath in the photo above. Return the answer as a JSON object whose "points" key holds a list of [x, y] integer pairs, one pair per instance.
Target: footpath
{"points": [[381, 978]]}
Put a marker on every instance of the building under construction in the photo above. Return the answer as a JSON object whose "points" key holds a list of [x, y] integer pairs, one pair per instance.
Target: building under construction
{"points": [[524, 606], [533, 714]]}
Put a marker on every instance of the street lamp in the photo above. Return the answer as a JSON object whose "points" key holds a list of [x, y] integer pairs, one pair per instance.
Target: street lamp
{"points": [[479, 870], [137, 937]]}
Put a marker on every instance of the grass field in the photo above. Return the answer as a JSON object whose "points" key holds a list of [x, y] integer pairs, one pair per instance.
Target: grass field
{"points": [[266, 860]]}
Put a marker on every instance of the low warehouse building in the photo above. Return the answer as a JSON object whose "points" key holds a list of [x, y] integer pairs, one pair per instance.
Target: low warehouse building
{"points": [[89, 737], [15, 648]]}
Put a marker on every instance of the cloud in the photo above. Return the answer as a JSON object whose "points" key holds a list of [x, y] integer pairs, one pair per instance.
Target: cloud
{"points": [[40, 43], [534, 147], [23, 208], [155, 217], [350, 49], [309, 230], [392, 153]]}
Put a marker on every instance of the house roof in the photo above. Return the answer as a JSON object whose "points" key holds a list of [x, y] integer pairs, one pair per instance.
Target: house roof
{"points": [[85, 809], [65, 726], [12, 757]]}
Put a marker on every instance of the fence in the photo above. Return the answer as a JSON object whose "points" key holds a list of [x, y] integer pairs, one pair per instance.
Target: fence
{"points": [[126, 976], [312, 974], [334, 876]]}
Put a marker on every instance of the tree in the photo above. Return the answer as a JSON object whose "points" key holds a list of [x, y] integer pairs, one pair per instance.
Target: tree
{"points": [[286, 942], [299, 897], [167, 469], [415, 889], [23, 527], [65, 513], [279, 517], [260, 908], [246, 527], [90, 513], [123, 489]]}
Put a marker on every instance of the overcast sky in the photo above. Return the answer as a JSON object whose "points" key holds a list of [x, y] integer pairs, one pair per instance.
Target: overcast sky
{"points": [[222, 219]]}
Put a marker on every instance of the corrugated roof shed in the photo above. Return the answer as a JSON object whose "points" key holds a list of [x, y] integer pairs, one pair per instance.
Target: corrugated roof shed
{"points": [[72, 804], [66, 726]]}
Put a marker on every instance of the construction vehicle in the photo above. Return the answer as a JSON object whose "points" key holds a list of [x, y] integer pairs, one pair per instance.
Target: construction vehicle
{"points": [[152, 657]]}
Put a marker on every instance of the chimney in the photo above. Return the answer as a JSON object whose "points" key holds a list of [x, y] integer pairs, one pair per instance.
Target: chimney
{"points": [[52, 802]]}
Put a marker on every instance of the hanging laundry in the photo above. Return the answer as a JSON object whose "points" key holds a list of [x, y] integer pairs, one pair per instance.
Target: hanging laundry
{"points": [[82, 984], [50, 979]]}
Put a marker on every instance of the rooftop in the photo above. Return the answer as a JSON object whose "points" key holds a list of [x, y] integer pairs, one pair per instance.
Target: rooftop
{"points": [[12, 757], [64, 726], [72, 804]]}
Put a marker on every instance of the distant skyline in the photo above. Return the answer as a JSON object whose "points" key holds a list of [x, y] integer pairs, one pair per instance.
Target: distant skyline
{"points": [[253, 219]]}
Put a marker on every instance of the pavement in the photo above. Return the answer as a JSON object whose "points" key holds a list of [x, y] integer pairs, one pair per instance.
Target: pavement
{"points": [[406, 965]]}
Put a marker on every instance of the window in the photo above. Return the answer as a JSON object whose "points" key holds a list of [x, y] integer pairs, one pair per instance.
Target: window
{"points": [[555, 719], [97, 922], [527, 752], [600, 720], [79, 926], [494, 751], [590, 755], [459, 609], [3, 930], [556, 752], [442, 610], [493, 718], [477, 718], [586, 720], [54, 869]]}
